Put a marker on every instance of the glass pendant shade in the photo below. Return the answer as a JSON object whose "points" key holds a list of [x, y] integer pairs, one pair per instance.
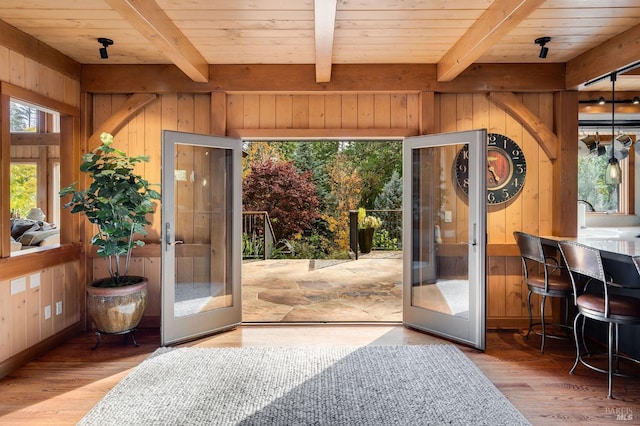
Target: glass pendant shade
{"points": [[613, 175]]}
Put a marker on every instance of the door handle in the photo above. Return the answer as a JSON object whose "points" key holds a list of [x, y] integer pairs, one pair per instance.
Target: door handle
{"points": [[169, 243], [474, 241]]}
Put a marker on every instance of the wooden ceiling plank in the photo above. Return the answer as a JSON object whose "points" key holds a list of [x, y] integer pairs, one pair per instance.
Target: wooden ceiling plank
{"points": [[545, 137], [153, 23], [500, 18], [613, 54], [325, 25]]}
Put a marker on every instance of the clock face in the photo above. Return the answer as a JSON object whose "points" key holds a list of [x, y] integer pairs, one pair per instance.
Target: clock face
{"points": [[506, 169]]}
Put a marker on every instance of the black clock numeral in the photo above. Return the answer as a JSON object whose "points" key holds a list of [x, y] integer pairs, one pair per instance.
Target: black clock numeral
{"points": [[510, 181]]}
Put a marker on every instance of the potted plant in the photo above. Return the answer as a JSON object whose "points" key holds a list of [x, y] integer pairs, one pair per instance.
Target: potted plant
{"points": [[117, 202], [367, 226]]}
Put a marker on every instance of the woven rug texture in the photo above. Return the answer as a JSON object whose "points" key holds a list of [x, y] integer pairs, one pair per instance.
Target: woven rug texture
{"points": [[341, 385]]}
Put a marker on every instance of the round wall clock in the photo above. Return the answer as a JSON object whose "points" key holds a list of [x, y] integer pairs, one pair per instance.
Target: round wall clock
{"points": [[506, 169]]}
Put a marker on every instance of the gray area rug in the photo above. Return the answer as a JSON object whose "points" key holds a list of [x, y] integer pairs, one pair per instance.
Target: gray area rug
{"points": [[371, 385]]}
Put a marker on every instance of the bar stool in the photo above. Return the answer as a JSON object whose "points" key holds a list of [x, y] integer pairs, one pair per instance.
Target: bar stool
{"points": [[546, 284], [599, 304]]}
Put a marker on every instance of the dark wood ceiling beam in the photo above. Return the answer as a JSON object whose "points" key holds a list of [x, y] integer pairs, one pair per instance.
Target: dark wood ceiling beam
{"points": [[390, 78], [498, 20], [325, 25], [612, 55], [154, 24]]}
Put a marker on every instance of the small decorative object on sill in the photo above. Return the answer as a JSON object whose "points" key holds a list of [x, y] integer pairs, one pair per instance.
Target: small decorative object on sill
{"points": [[36, 214], [367, 226]]}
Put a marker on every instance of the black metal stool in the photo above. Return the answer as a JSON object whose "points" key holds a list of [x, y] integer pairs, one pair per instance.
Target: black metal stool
{"points": [[599, 303], [548, 283]]}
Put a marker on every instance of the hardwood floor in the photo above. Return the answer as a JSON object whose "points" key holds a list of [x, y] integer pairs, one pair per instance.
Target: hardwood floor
{"points": [[61, 386]]}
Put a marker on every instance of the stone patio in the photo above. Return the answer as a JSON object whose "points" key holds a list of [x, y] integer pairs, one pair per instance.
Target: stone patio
{"points": [[363, 290]]}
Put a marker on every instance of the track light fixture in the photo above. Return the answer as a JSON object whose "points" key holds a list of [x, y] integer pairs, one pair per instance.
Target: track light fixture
{"points": [[601, 100], [105, 42], [542, 41], [635, 100]]}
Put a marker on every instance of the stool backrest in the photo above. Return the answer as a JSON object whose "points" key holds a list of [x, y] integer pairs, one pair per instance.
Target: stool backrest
{"points": [[586, 261], [582, 259], [530, 246]]}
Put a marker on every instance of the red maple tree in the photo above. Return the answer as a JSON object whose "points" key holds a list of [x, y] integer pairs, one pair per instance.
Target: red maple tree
{"points": [[289, 196]]}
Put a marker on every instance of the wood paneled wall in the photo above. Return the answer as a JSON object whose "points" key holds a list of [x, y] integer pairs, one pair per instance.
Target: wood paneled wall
{"points": [[33, 283], [335, 111], [29, 74], [36, 306], [530, 211]]}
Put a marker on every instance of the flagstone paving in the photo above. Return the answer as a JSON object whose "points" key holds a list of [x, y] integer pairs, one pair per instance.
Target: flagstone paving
{"points": [[367, 289]]}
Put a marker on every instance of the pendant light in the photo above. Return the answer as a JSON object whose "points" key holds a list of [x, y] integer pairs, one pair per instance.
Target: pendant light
{"points": [[613, 175]]}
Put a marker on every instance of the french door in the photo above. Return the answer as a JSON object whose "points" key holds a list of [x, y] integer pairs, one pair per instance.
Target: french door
{"points": [[444, 217], [201, 238]]}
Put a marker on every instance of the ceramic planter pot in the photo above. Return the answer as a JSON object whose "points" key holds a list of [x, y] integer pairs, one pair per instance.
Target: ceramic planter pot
{"points": [[117, 309], [365, 239]]}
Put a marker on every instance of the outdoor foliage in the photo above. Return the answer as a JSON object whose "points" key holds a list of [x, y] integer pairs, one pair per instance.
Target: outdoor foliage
{"points": [[345, 175], [382, 240], [314, 157], [23, 117], [391, 199], [592, 186], [376, 162], [346, 185], [278, 188], [23, 188]]}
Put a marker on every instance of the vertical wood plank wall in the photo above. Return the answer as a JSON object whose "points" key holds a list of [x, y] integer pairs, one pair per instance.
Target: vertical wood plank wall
{"points": [[23, 301], [530, 211], [23, 298]]}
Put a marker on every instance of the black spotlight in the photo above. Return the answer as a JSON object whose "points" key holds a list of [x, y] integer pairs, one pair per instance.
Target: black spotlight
{"points": [[543, 50], [105, 42]]}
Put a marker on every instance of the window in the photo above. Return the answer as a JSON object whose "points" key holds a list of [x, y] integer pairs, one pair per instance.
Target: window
{"points": [[593, 189], [34, 175]]}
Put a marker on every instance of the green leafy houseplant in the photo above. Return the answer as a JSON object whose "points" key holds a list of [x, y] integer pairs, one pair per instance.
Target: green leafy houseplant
{"points": [[117, 201]]}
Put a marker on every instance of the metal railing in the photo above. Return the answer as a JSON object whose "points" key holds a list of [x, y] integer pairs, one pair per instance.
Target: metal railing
{"points": [[258, 239]]}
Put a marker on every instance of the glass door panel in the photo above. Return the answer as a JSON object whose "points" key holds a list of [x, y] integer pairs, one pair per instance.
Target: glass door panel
{"points": [[445, 211], [201, 214]]}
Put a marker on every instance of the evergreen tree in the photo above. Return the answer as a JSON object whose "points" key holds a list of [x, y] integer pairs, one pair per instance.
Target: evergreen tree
{"points": [[391, 199], [376, 161]]}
